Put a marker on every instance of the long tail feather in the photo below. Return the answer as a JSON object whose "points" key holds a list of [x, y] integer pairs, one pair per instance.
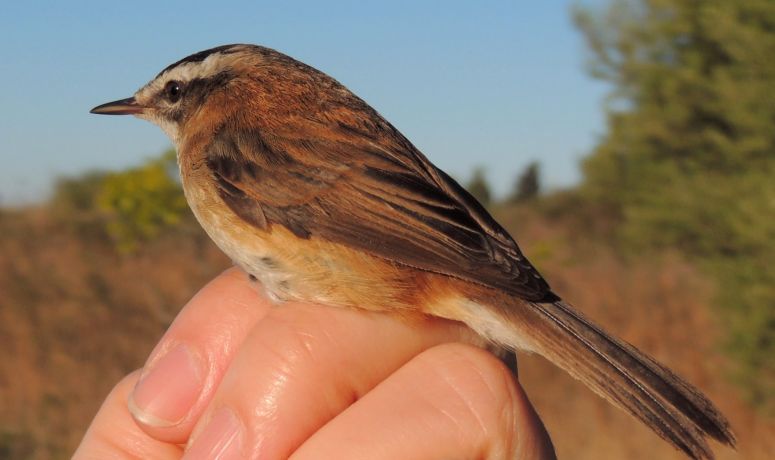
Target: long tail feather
{"points": [[623, 375]]}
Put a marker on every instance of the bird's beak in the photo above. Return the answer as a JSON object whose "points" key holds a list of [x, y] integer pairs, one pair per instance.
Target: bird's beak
{"points": [[128, 106]]}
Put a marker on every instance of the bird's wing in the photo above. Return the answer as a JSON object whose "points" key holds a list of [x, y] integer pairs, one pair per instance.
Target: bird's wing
{"points": [[378, 195]]}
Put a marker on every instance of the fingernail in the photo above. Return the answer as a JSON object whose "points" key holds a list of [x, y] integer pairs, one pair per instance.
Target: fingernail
{"points": [[220, 440], [167, 392]]}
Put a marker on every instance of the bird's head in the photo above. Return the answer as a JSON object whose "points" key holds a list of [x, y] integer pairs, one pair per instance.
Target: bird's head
{"points": [[224, 83]]}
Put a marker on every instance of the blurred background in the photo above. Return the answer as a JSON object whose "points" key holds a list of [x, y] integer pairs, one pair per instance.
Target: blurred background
{"points": [[629, 145]]}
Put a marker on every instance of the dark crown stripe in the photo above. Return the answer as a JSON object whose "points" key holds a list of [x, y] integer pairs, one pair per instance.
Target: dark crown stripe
{"points": [[200, 56]]}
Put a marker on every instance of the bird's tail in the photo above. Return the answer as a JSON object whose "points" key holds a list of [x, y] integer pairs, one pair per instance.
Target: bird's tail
{"points": [[621, 374]]}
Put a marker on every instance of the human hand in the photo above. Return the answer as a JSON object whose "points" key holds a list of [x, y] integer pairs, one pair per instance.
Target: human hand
{"points": [[237, 377]]}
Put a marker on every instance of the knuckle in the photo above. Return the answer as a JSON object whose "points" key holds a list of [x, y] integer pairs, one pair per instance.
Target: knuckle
{"points": [[481, 391], [476, 372], [293, 336]]}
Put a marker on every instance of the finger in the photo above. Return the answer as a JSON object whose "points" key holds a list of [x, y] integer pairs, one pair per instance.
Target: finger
{"points": [[114, 434], [300, 367], [184, 370], [452, 401]]}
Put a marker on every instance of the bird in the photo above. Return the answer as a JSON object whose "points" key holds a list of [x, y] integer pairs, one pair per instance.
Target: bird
{"points": [[313, 193]]}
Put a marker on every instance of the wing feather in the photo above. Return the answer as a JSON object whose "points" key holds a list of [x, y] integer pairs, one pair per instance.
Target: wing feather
{"points": [[389, 201]]}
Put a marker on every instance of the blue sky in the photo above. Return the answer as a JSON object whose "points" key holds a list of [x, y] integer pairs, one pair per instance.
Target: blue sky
{"points": [[491, 83]]}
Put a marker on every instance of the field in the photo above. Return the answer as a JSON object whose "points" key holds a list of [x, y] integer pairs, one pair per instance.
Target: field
{"points": [[76, 315]]}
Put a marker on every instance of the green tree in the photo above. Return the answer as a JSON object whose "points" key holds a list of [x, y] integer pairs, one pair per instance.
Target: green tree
{"points": [[140, 202], [479, 187], [528, 184], [688, 161]]}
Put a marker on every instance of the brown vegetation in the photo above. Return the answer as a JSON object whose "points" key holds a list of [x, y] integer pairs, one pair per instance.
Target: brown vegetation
{"points": [[76, 315], [661, 304]]}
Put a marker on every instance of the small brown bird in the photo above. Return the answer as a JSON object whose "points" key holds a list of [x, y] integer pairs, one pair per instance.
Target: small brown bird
{"points": [[312, 192]]}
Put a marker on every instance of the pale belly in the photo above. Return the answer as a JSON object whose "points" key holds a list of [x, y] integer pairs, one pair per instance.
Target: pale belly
{"points": [[248, 247], [253, 252]]}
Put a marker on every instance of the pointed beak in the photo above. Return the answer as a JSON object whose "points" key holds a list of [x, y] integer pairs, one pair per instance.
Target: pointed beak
{"points": [[128, 106]]}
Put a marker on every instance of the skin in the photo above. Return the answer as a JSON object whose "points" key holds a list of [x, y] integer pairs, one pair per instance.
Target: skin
{"points": [[299, 381]]}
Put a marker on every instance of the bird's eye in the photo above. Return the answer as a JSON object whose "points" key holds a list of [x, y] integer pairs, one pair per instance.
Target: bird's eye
{"points": [[172, 90]]}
